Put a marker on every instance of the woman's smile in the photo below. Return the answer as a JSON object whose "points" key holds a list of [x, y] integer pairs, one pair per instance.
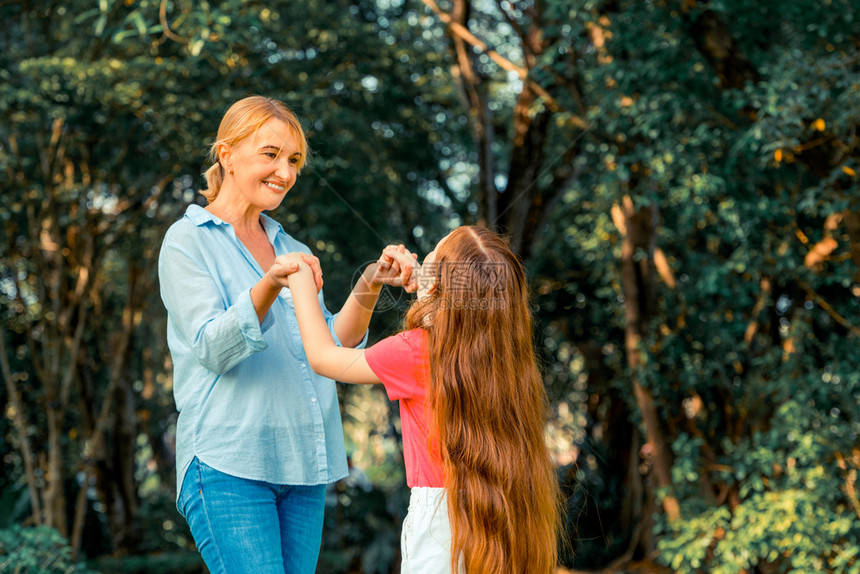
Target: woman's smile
{"points": [[280, 187]]}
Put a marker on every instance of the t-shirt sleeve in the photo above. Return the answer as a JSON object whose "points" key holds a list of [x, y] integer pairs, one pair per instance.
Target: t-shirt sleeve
{"points": [[402, 364]]}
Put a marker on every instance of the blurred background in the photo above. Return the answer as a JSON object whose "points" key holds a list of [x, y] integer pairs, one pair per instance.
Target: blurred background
{"points": [[680, 178]]}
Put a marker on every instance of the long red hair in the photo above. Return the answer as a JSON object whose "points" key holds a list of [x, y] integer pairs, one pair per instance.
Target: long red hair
{"points": [[489, 408]]}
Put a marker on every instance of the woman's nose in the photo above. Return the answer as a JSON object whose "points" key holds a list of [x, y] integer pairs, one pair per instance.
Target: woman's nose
{"points": [[284, 170]]}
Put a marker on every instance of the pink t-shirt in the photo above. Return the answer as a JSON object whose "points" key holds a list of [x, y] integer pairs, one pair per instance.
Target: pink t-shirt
{"points": [[402, 363]]}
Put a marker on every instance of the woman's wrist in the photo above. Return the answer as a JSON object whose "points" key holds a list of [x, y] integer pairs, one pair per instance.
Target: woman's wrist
{"points": [[271, 283]]}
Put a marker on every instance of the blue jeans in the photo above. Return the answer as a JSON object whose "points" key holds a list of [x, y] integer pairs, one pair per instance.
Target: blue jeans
{"points": [[250, 526]]}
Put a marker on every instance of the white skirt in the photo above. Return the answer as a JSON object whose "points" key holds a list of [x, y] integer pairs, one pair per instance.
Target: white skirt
{"points": [[425, 540]]}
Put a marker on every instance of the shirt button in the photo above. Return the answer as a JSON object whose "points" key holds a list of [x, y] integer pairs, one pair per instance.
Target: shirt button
{"points": [[302, 365], [321, 436], [313, 399]]}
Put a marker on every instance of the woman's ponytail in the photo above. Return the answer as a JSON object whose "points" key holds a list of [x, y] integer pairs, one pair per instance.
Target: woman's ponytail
{"points": [[214, 178]]}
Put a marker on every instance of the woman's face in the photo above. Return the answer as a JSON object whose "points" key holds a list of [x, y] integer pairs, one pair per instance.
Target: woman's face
{"points": [[265, 165]]}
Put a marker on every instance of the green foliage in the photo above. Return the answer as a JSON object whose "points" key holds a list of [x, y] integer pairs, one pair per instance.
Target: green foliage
{"points": [[742, 354], [175, 562], [39, 550], [14, 502], [789, 507]]}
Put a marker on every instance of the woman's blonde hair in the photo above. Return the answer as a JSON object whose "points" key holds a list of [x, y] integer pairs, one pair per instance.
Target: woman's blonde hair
{"points": [[489, 408], [242, 119]]}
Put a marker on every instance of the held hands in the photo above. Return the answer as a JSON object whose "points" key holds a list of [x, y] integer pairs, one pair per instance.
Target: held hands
{"points": [[396, 267], [286, 265]]}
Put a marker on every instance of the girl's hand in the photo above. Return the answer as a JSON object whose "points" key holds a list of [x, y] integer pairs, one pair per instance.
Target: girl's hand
{"points": [[396, 267]]}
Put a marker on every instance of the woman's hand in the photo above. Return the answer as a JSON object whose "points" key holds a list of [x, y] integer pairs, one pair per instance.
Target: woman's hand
{"points": [[395, 267], [314, 263], [266, 291], [284, 266]]}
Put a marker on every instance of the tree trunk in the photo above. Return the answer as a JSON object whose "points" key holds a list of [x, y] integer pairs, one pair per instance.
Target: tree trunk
{"points": [[523, 197], [715, 42], [111, 457], [638, 228], [473, 94], [19, 419], [55, 496]]}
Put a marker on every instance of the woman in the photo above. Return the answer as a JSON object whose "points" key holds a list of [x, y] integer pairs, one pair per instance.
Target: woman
{"points": [[259, 433]]}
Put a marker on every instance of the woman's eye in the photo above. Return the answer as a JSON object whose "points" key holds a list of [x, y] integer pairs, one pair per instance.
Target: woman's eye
{"points": [[294, 161], [271, 154]]}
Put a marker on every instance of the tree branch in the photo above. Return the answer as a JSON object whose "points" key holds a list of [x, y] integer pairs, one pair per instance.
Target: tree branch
{"points": [[462, 32], [20, 421], [165, 25]]}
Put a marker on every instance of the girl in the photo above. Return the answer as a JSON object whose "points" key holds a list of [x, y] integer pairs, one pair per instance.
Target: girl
{"points": [[472, 403]]}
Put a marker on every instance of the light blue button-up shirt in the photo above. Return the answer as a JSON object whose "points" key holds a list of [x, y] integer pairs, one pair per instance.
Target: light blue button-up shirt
{"points": [[249, 404]]}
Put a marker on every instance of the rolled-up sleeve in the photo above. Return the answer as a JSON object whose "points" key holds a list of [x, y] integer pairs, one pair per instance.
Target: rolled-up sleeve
{"points": [[218, 335]]}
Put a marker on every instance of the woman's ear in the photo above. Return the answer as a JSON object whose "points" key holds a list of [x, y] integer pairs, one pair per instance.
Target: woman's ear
{"points": [[225, 157]]}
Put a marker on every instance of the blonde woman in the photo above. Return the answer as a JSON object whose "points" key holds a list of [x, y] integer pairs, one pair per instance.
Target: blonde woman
{"points": [[259, 432]]}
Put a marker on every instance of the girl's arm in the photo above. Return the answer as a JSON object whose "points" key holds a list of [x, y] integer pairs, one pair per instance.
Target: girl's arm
{"points": [[354, 317], [325, 357]]}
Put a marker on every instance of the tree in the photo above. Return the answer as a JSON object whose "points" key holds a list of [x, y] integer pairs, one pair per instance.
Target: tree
{"points": [[666, 154]]}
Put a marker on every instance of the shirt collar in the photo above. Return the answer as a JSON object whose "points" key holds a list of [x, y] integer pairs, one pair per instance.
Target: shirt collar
{"points": [[271, 226], [200, 216]]}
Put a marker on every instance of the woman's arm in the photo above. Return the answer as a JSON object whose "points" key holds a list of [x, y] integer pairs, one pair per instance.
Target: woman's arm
{"points": [[266, 290], [325, 357], [353, 319]]}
